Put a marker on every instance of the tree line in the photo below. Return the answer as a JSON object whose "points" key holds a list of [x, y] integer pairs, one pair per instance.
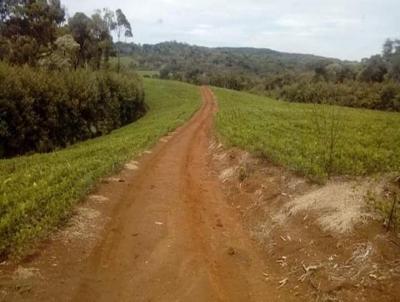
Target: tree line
{"points": [[372, 83]]}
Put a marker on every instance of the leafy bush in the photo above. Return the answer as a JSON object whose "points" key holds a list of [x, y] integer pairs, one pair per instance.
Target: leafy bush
{"points": [[41, 111], [382, 96]]}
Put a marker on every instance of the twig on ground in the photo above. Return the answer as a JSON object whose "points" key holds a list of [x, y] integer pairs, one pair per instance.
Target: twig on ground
{"points": [[283, 282]]}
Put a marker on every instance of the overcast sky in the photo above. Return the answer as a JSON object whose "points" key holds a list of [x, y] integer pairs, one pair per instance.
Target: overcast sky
{"points": [[346, 29]]}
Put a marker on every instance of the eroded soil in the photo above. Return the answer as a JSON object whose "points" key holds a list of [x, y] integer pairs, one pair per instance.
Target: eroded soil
{"points": [[322, 240]]}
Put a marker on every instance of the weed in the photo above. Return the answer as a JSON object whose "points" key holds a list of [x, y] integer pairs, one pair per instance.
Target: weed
{"points": [[327, 126], [387, 203], [242, 173]]}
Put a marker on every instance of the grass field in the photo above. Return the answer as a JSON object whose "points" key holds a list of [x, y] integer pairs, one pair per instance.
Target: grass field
{"points": [[148, 73], [39, 191], [125, 61], [316, 140], [129, 63]]}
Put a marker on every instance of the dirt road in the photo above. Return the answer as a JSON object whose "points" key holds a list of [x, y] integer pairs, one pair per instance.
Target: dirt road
{"points": [[170, 236]]}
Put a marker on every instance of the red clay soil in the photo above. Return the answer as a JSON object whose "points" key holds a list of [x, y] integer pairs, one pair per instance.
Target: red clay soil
{"points": [[169, 235]]}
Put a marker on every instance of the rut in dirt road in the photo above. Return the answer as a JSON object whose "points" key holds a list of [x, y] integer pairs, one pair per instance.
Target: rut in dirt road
{"points": [[171, 236]]}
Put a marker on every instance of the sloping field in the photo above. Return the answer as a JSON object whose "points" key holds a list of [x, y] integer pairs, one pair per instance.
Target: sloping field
{"points": [[315, 140], [37, 192]]}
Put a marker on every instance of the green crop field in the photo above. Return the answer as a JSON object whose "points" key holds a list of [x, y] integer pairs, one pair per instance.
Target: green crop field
{"points": [[316, 140], [38, 192]]}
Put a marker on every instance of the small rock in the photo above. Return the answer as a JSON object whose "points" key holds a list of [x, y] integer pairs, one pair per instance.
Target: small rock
{"points": [[114, 179], [132, 166], [231, 251], [23, 273], [98, 198]]}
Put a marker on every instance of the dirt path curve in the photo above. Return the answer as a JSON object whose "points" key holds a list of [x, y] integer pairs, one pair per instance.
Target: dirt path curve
{"points": [[171, 235]]}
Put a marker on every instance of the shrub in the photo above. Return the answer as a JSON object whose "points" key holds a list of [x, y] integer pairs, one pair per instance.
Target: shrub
{"points": [[42, 111], [381, 96]]}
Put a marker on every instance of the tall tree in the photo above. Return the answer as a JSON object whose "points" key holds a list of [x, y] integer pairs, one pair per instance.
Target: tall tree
{"points": [[374, 69], [122, 27], [391, 55], [101, 36], [80, 27], [94, 37]]}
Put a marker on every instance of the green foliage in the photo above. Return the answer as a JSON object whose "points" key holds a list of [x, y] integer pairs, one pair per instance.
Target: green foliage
{"points": [[381, 96], [29, 32], [65, 55], [122, 25], [29, 27], [39, 191], [94, 39], [200, 64], [94, 35], [391, 54], [41, 111], [374, 70], [373, 83], [316, 140]]}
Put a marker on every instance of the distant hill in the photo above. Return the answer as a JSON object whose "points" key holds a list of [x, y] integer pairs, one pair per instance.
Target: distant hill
{"points": [[175, 57], [303, 78]]}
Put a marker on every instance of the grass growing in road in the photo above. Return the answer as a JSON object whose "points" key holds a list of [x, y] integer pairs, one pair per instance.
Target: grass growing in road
{"points": [[316, 140], [38, 192]]}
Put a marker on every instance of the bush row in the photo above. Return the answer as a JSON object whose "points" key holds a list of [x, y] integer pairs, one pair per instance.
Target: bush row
{"points": [[381, 96], [41, 111]]}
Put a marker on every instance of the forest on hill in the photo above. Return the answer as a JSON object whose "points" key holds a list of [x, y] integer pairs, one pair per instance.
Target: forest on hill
{"points": [[181, 59], [372, 83]]}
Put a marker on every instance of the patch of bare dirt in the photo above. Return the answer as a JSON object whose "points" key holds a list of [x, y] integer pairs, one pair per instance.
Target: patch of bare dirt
{"points": [[323, 242], [339, 205], [133, 165], [82, 225]]}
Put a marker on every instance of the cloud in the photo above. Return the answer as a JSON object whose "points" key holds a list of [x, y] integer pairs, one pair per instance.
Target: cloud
{"points": [[337, 28]]}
